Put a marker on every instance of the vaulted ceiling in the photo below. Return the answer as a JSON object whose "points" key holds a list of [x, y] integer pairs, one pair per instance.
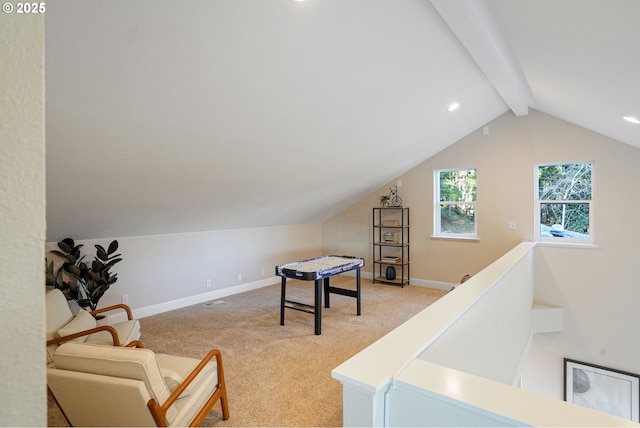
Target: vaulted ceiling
{"points": [[167, 116]]}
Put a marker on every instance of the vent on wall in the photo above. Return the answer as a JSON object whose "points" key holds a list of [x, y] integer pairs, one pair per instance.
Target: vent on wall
{"points": [[213, 303]]}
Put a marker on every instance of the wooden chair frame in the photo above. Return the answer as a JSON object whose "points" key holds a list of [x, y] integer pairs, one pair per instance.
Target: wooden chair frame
{"points": [[126, 308], [111, 330]]}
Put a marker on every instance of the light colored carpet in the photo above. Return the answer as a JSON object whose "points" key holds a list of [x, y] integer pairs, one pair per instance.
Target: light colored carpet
{"points": [[281, 375]]}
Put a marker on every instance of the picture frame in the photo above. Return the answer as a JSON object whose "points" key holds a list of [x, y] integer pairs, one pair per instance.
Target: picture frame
{"points": [[611, 391]]}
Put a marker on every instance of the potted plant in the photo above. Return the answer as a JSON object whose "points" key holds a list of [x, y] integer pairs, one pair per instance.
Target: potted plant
{"points": [[384, 200], [82, 282]]}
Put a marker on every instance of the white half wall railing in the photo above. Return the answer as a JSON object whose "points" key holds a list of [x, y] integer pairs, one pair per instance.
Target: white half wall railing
{"points": [[459, 361]]}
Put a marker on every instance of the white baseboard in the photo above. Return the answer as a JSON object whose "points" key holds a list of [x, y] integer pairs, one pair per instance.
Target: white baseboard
{"points": [[412, 281], [196, 299], [431, 284]]}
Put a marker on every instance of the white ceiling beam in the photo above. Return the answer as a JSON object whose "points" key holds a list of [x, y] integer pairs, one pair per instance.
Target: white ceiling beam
{"points": [[477, 28]]}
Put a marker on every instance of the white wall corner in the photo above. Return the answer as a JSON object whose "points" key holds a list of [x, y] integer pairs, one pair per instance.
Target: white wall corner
{"points": [[546, 319]]}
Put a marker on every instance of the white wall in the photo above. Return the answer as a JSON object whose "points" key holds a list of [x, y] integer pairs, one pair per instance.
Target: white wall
{"points": [[598, 288], [22, 220], [161, 268], [500, 314]]}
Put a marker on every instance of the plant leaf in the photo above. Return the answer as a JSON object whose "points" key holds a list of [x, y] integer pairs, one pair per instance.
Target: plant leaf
{"points": [[66, 245], [113, 262], [113, 247], [101, 253], [97, 266]]}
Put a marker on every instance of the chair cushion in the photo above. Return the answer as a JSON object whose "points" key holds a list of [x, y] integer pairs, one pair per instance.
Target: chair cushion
{"points": [[188, 407], [90, 400], [198, 391], [58, 315], [173, 380], [127, 331], [175, 370], [58, 312], [117, 361], [83, 321]]}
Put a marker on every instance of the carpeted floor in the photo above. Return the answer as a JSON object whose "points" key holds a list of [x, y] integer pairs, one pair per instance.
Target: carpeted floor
{"points": [[281, 375]]}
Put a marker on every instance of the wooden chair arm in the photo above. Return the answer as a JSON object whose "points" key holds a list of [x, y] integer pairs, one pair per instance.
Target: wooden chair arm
{"points": [[126, 308], [111, 330], [134, 344], [160, 412]]}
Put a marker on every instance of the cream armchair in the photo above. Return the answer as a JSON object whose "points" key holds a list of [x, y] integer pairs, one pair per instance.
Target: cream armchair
{"points": [[62, 326], [98, 385]]}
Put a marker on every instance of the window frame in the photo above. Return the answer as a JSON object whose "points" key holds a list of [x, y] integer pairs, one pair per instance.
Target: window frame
{"points": [[538, 202], [437, 215]]}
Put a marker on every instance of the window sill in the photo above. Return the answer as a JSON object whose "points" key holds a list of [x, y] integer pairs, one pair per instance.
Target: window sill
{"points": [[456, 238], [567, 245]]}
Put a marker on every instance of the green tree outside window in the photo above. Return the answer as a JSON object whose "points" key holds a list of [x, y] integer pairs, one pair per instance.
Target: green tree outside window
{"points": [[564, 200]]}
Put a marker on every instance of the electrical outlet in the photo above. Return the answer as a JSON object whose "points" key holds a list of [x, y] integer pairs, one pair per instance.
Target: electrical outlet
{"points": [[208, 283], [125, 299], [262, 271], [511, 225], [239, 277]]}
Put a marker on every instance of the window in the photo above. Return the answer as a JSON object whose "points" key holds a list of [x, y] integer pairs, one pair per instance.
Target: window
{"points": [[564, 202], [455, 205]]}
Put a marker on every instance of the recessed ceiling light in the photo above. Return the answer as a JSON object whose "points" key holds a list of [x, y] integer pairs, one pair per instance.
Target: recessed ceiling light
{"points": [[632, 119], [453, 106]]}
